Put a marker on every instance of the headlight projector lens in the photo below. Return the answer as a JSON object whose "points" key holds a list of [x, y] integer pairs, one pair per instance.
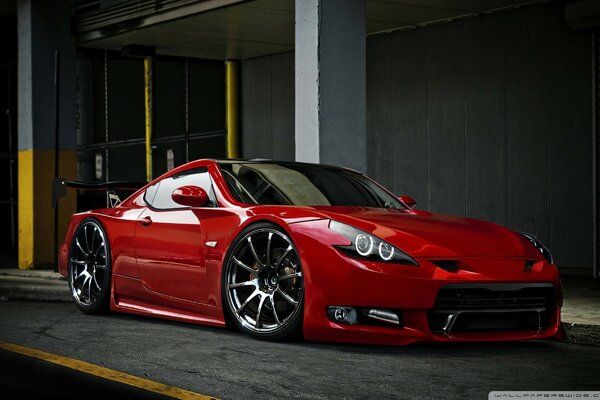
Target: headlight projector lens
{"points": [[364, 244], [386, 251]]}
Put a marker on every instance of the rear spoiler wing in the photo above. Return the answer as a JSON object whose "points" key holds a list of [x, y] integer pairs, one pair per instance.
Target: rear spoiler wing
{"points": [[60, 185]]}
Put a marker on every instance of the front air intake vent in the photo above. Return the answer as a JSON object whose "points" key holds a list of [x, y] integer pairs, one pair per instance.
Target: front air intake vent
{"points": [[448, 265], [492, 307]]}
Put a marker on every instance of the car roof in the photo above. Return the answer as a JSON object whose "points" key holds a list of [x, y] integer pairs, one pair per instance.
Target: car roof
{"points": [[281, 162]]}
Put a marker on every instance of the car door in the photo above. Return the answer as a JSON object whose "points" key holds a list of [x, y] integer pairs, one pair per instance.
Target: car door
{"points": [[169, 245]]}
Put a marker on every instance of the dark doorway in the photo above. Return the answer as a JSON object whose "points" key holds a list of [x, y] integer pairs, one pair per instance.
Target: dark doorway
{"points": [[8, 145]]}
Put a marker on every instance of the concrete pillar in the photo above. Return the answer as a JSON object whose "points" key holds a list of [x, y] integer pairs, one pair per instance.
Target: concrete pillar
{"points": [[330, 125], [43, 26]]}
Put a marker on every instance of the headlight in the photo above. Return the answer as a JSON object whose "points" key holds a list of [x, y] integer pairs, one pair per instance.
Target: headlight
{"points": [[538, 245], [368, 247]]}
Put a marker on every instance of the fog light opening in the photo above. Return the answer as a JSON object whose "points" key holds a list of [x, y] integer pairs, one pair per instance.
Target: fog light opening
{"points": [[342, 315], [381, 314]]}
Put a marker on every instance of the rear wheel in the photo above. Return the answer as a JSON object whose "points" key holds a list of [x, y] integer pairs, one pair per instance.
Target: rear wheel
{"points": [[262, 283], [90, 268]]}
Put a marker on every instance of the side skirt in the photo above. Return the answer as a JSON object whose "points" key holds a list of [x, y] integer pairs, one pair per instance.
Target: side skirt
{"points": [[129, 295]]}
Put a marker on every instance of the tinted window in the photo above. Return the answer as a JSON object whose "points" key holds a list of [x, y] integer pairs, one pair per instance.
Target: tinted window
{"points": [[159, 195], [303, 184]]}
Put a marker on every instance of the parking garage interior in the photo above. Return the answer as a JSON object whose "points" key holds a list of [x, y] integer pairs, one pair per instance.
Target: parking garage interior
{"points": [[478, 108]]}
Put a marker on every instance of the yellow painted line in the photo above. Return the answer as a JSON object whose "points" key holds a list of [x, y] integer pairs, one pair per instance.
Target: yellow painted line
{"points": [[105, 373]]}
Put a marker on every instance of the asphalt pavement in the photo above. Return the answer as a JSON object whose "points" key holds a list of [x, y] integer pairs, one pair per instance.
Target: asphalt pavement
{"points": [[580, 311], [229, 365], [25, 377]]}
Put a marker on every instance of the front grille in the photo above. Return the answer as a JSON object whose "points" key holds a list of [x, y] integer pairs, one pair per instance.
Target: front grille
{"points": [[493, 307]]}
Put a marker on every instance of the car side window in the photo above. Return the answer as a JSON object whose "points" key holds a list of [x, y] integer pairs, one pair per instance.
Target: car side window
{"points": [[159, 195]]}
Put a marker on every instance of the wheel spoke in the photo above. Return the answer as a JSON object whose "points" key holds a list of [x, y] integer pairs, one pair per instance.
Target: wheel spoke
{"points": [[93, 237], [78, 262], [269, 249], [98, 249], [100, 266], [82, 273], [87, 244], [87, 277], [260, 263], [286, 296], [241, 284], [96, 283], [90, 289], [79, 246], [290, 276], [283, 256], [241, 264], [259, 310], [274, 310], [248, 300]]}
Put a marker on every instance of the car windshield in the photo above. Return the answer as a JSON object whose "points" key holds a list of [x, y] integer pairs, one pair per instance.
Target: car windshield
{"points": [[303, 185]]}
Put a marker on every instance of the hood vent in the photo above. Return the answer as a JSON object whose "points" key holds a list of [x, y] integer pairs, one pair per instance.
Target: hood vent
{"points": [[448, 265]]}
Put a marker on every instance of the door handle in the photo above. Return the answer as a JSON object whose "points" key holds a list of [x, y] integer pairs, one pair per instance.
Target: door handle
{"points": [[145, 221]]}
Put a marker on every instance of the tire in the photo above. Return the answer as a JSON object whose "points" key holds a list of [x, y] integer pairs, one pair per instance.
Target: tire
{"points": [[89, 267], [262, 284]]}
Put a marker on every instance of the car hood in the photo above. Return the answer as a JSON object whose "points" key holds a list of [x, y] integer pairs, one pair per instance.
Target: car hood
{"points": [[424, 234]]}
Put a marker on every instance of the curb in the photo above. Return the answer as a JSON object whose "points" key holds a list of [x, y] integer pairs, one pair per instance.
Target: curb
{"points": [[581, 333], [34, 286], [35, 293], [33, 274]]}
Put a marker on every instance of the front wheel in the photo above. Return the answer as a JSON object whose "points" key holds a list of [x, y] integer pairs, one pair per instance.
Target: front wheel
{"points": [[90, 267], [262, 283]]}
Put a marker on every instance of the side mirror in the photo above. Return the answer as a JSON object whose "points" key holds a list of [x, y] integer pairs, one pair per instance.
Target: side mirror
{"points": [[191, 196], [409, 201]]}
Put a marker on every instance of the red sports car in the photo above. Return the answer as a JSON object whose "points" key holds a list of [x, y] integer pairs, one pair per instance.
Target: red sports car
{"points": [[282, 249]]}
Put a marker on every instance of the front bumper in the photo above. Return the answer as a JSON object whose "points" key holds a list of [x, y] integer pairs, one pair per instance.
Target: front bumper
{"points": [[332, 278]]}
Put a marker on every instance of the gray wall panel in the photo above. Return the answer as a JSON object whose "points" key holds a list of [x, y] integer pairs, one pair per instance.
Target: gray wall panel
{"points": [[571, 223], [527, 122], [446, 117], [485, 119], [256, 115], [409, 123], [268, 107], [497, 109], [380, 160], [282, 106]]}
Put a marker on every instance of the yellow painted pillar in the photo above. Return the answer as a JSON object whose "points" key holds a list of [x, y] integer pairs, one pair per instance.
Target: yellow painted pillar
{"points": [[148, 114], [25, 208], [36, 216], [231, 71], [38, 39]]}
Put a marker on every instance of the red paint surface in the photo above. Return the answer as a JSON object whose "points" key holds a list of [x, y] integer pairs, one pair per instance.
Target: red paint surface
{"points": [[164, 268]]}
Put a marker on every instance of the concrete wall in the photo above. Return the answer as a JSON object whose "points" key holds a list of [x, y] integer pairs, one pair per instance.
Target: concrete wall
{"points": [[489, 117], [268, 107]]}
